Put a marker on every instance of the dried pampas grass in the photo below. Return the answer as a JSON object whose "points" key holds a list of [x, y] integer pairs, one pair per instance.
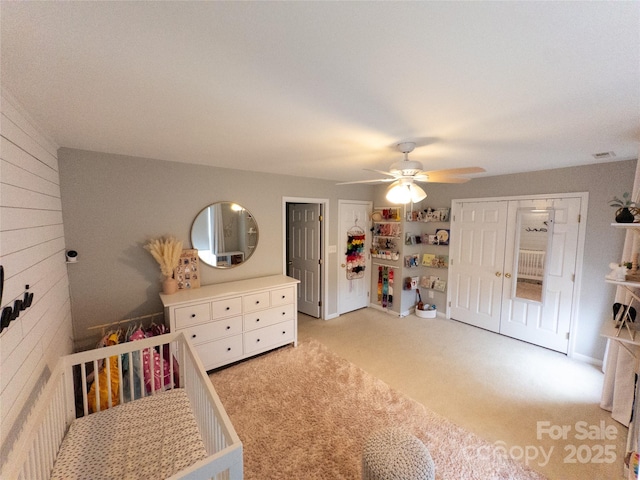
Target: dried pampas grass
{"points": [[167, 253]]}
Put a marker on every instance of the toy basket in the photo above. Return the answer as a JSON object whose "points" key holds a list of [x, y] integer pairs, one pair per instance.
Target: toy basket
{"points": [[426, 313]]}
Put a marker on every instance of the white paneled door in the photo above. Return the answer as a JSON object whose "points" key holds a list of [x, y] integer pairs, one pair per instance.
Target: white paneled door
{"points": [[304, 254], [477, 250], [353, 293], [513, 267], [544, 321]]}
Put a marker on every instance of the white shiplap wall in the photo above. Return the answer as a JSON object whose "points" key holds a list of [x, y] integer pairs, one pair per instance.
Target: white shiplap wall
{"points": [[32, 252]]}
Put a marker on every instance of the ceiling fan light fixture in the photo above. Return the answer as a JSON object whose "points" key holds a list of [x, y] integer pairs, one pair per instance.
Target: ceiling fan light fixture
{"points": [[405, 192]]}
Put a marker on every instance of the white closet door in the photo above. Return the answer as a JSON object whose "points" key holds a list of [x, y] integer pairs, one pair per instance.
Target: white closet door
{"points": [[545, 322], [477, 254]]}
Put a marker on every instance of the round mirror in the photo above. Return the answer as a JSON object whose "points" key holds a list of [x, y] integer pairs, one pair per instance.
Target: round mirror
{"points": [[225, 235]]}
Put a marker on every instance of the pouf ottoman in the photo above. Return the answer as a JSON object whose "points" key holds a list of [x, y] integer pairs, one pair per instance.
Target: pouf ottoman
{"points": [[395, 454]]}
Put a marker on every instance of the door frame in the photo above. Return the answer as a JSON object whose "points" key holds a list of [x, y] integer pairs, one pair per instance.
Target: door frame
{"points": [[582, 229], [324, 207]]}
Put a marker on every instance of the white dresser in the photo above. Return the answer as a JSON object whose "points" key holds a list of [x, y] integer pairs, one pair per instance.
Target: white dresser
{"points": [[230, 321]]}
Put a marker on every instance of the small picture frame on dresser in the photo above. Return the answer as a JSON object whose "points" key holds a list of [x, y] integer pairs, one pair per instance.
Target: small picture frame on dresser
{"points": [[187, 273]]}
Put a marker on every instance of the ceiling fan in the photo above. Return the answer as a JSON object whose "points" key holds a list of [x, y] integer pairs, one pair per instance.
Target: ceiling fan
{"points": [[404, 173]]}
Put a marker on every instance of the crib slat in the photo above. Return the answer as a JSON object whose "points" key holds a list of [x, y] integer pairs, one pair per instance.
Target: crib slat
{"points": [[83, 381], [120, 383], [96, 383]]}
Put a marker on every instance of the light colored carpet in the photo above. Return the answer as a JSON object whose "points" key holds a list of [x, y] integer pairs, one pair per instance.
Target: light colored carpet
{"points": [[494, 386], [305, 413]]}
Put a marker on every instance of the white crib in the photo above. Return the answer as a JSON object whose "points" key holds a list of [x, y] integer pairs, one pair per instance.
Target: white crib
{"points": [[531, 264], [35, 452]]}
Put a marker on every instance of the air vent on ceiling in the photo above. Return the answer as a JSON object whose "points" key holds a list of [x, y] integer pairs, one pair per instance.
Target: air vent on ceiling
{"points": [[603, 155]]}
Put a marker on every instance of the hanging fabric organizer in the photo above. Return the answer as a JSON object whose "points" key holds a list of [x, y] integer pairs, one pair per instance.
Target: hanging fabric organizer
{"points": [[355, 253]]}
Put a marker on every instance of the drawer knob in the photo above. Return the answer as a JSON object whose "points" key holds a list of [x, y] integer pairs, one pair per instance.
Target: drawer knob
{"points": [[284, 313], [228, 308], [193, 315], [283, 296], [257, 340], [257, 302], [228, 327], [284, 332], [228, 349], [193, 336], [257, 319]]}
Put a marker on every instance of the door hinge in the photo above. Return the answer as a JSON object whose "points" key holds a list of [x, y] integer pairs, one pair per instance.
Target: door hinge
{"points": [[579, 217], [449, 303], [320, 218], [566, 335], [320, 303], [450, 261], [320, 261]]}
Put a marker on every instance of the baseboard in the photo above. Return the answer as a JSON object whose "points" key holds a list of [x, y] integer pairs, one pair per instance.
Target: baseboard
{"points": [[586, 359], [386, 310]]}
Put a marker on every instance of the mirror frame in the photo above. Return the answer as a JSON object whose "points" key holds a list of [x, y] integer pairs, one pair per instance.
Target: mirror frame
{"points": [[250, 230]]}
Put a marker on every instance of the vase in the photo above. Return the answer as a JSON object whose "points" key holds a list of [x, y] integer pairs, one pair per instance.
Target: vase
{"points": [[169, 286], [624, 215]]}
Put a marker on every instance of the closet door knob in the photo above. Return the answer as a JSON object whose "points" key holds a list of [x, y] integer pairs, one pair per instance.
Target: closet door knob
{"points": [[228, 327], [498, 274], [257, 302], [508, 275], [193, 336], [228, 349], [257, 319], [193, 315], [228, 308], [257, 340]]}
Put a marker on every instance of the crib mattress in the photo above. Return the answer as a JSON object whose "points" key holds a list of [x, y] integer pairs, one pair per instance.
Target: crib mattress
{"points": [[153, 437]]}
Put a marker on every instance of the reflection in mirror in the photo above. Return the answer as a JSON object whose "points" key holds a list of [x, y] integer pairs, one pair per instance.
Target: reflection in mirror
{"points": [[534, 233], [225, 234]]}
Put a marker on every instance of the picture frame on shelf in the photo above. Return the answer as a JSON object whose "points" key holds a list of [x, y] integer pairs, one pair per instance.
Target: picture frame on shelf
{"points": [[427, 259], [442, 236], [440, 285]]}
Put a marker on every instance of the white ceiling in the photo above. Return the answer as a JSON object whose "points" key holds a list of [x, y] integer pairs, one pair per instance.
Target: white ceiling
{"points": [[324, 89]]}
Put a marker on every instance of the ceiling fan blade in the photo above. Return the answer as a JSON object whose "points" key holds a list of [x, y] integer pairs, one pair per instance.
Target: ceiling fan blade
{"points": [[377, 180], [381, 172], [441, 179], [455, 171]]}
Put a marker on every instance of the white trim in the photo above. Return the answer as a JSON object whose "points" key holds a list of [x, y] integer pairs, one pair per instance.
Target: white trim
{"points": [[324, 314]]}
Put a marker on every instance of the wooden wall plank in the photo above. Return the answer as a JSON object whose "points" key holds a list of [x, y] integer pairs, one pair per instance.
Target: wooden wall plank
{"points": [[11, 174], [32, 249]]}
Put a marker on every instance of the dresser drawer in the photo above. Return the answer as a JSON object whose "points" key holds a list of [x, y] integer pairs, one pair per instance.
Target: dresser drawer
{"points": [[256, 301], [192, 315], [227, 307], [265, 338], [219, 352], [214, 330], [282, 296], [268, 317]]}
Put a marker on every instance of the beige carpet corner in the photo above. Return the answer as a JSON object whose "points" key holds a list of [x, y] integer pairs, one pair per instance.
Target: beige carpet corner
{"points": [[305, 413]]}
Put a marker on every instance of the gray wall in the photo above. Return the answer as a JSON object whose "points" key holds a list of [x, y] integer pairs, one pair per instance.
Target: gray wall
{"points": [[112, 205], [603, 244]]}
